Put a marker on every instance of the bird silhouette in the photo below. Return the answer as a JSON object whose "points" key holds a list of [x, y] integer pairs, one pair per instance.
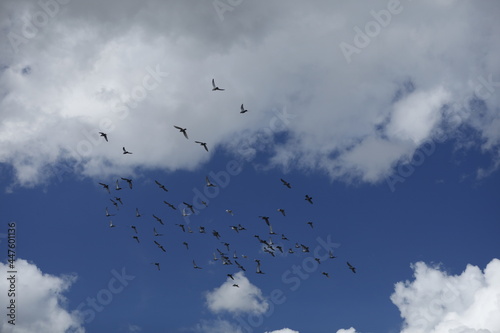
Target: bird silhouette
{"points": [[196, 266], [330, 254], [104, 135], [308, 198], [239, 266], [129, 181], [108, 214], [136, 238], [186, 245], [242, 109], [230, 212], [156, 232], [183, 131], [231, 276], [310, 224], [117, 186], [125, 151], [209, 183], [235, 285], [105, 186], [282, 211], [325, 274], [351, 267], [160, 185], [287, 184], [137, 214], [111, 225], [169, 205], [158, 219], [203, 144], [189, 206], [214, 87], [135, 228], [157, 264]]}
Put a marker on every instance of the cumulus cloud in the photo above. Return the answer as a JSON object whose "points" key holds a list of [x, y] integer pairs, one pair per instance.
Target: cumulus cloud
{"points": [[134, 70], [284, 330], [247, 298], [41, 305], [435, 302]]}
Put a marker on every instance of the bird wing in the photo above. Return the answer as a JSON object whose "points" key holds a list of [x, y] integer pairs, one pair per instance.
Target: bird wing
{"points": [[213, 83]]}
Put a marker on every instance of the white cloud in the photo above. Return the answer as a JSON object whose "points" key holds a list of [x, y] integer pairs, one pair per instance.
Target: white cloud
{"points": [[436, 302], [72, 78], [247, 298], [41, 306], [350, 330], [284, 330]]}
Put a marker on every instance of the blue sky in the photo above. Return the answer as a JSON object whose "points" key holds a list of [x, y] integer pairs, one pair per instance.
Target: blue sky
{"points": [[397, 142]]}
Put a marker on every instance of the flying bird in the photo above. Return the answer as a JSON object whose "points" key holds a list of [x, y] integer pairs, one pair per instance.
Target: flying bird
{"points": [[111, 225], [325, 274], [311, 225], [160, 185], [136, 238], [183, 131], [351, 267], [287, 184], [134, 227], [158, 219], [119, 200], [204, 144], [105, 186], [117, 187], [230, 212], [239, 266], [156, 232], [308, 198], [181, 226], [104, 135], [137, 214], [242, 109], [196, 266], [125, 151], [215, 87], [129, 181], [231, 276], [186, 245], [265, 218], [157, 264], [235, 285], [169, 205], [189, 206], [330, 253], [108, 214], [282, 211], [209, 183]]}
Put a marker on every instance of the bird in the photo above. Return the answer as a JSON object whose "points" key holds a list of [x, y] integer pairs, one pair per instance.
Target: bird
{"points": [[183, 131], [265, 218], [230, 212], [239, 266], [242, 109], [215, 257], [271, 232], [283, 237], [186, 245], [231, 276], [129, 181], [330, 253], [169, 205], [240, 227], [189, 206], [287, 184], [204, 144], [160, 246], [158, 219], [119, 200], [325, 274], [318, 260], [184, 213], [181, 226], [235, 228], [235, 285], [310, 224], [215, 87], [157, 264], [279, 248], [135, 228], [125, 151], [160, 185], [308, 198], [216, 234], [108, 214], [196, 266], [351, 267], [104, 135], [202, 229], [304, 248], [258, 268], [136, 238], [111, 225], [117, 187], [226, 245], [137, 214], [114, 203], [105, 186], [290, 250], [209, 183], [282, 211], [156, 232]]}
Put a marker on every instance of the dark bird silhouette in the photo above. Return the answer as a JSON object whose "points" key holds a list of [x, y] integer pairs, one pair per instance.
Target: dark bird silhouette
{"points": [[266, 219], [183, 131], [119, 200], [214, 87], [282, 211], [105, 186], [202, 229], [259, 271], [189, 206], [231, 276], [114, 204], [242, 109], [129, 181], [239, 266], [227, 246], [104, 135], [308, 198], [209, 183], [157, 264], [196, 266], [325, 274], [186, 245], [125, 151], [318, 260], [158, 219], [230, 212], [136, 238], [235, 285], [287, 184], [204, 144], [216, 234], [304, 248], [160, 246], [283, 237], [111, 225], [290, 250], [117, 187], [310, 224], [137, 214], [351, 267], [330, 253], [181, 226], [160, 185], [169, 205], [240, 227], [134, 227]]}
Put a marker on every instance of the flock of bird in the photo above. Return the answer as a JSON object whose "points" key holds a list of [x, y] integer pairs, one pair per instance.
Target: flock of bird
{"points": [[268, 245]]}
